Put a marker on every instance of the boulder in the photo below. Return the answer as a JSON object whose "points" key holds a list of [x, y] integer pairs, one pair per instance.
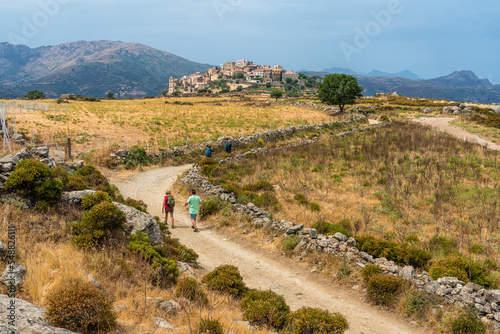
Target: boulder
{"points": [[170, 307], [185, 269], [407, 272], [351, 242], [75, 197], [427, 110], [162, 323], [6, 167], [294, 229], [431, 287], [122, 153], [340, 237], [30, 319], [9, 159], [140, 221], [77, 164], [42, 152], [13, 275], [23, 154]]}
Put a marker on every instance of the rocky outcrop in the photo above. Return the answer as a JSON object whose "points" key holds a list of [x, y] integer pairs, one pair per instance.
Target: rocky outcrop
{"points": [[140, 221], [29, 318], [462, 108]]}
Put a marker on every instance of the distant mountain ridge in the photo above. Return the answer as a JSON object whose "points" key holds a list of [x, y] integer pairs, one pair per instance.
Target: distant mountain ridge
{"points": [[374, 73], [457, 86], [90, 68]]}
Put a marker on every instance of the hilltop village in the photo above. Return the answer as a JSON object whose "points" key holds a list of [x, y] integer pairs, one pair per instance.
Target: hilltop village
{"points": [[243, 72]]}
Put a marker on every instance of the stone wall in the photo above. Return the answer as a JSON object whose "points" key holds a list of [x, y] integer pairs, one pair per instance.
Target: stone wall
{"points": [[486, 302]]}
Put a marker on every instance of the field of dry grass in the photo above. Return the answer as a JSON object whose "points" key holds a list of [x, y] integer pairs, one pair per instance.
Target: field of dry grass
{"points": [[398, 181], [96, 125]]}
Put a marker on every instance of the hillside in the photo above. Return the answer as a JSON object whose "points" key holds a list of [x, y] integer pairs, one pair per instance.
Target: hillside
{"points": [[90, 68]]}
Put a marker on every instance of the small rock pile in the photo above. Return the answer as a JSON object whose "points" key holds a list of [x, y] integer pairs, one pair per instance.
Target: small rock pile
{"points": [[462, 108]]}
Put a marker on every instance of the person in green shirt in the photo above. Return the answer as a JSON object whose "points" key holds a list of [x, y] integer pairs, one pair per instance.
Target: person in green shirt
{"points": [[195, 206]]}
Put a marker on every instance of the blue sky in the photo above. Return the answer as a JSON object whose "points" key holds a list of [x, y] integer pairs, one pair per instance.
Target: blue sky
{"points": [[429, 37]]}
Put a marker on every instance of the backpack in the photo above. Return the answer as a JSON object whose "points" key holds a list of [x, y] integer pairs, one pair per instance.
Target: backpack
{"points": [[171, 201]]}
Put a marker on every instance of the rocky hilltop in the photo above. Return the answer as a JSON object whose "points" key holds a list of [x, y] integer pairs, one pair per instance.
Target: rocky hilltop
{"points": [[90, 68]]}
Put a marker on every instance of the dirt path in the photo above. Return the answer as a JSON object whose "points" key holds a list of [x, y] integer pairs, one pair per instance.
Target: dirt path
{"points": [[261, 268], [443, 125]]}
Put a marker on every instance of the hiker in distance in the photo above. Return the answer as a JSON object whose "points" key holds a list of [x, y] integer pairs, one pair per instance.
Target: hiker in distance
{"points": [[168, 206], [228, 146], [208, 151], [195, 207]]}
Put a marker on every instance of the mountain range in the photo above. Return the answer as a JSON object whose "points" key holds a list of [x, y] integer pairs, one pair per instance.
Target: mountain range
{"points": [[90, 68], [457, 86], [134, 70]]}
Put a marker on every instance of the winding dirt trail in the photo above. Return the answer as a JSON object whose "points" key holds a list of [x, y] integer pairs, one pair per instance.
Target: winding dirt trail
{"points": [[442, 124], [261, 268]]}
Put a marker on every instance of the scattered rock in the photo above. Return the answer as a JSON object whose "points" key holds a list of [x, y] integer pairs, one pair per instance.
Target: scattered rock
{"points": [[13, 275], [185, 269], [162, 323]]}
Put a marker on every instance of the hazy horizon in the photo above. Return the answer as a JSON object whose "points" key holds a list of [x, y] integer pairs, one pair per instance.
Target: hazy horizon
{"points": [[427, 38]]}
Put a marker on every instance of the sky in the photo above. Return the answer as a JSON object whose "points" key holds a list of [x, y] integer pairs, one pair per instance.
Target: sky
{"points": [[428, 37]]}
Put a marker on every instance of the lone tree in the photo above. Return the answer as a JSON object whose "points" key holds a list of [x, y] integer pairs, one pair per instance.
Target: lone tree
{"points": [[339, 89], [34, 95], [111, 96], [276, 94]]}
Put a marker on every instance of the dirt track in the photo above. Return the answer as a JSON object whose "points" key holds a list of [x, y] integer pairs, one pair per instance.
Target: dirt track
{"points": [[260, 268], [443, 125]]}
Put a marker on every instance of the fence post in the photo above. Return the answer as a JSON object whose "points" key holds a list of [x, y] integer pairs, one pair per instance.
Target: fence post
{"points": [[68, 148]]}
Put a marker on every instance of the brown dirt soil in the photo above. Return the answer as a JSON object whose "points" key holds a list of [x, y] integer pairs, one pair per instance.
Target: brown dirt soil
{"points": [[260, 268]]}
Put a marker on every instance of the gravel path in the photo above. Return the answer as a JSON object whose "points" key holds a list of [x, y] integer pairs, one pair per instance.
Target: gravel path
{"points": [[261, 268]]}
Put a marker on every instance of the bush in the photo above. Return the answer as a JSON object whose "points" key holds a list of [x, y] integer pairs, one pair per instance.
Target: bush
{"points": [[401, 254], [265, 308], [260, 142], [137, 157], [31, 179], [467, 323], [211, 206], [463, 269], [80, 307], [266, 199], [211, 326], [369, 270], [327, 228], [301, 199], [91, 200], [93, 179], [75, 183], [190, 289], [226, 278], [260, 185], [442, 245], [173, 249], [290, 243], [383, 289], [308, 320], [96, 224], [162, 269], [137, 204]]}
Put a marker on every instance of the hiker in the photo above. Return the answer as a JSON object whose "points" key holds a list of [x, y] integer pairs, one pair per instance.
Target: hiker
{"points": [[208, 152], [195, 206], [168, 206], [228, 146]]}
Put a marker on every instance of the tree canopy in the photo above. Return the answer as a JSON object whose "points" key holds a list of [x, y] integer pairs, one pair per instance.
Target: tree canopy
{"points": [[276, 94], [339, 89], [34, 95]]}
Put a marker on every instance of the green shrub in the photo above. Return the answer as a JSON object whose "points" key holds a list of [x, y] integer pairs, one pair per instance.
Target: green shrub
{"points": [[463, 269], [162, 269], [90, 200], [267, 199], [211, 326], [383, 289], [401, 254], [260, 185], [137, 157], [75, 183], [31, 179], [96, 224], [327, 228], [301, 198], [59, 173], [290, 243], [137, 204], [308, 320], [173, 249], [190, 289], [467, 323], [226, 278], [265, 308], [93, 179], [260, 142], [313, 206], [80, 307], [211, 206], [417, 302], [369, 270], [442, 245], [206, 161]]}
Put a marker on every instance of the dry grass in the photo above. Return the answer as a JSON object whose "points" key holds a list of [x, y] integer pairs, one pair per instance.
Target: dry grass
{"points": [[96, 125]]}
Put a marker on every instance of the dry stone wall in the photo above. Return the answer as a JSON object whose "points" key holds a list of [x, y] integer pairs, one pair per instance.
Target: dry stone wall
{"points": [[486, 302]]}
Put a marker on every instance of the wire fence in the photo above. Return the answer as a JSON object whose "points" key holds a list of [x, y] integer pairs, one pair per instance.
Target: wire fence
{"points": [[19, 106]]}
